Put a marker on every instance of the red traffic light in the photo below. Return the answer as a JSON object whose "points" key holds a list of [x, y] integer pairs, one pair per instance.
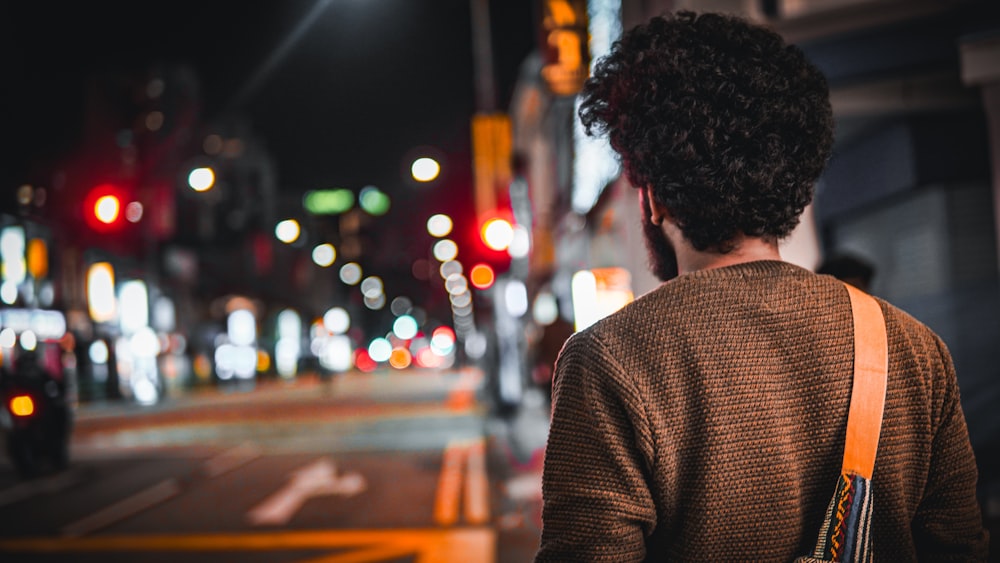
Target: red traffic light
{"points": [[104, 208]]}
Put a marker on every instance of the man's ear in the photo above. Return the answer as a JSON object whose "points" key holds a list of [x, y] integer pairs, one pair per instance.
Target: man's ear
{"points": [[657, 212]]}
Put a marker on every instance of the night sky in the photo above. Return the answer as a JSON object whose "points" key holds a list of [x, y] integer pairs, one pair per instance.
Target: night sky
{"points": [[342, 104]]}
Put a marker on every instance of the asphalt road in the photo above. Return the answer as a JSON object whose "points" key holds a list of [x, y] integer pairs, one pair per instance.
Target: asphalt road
{"points": [[365, 468]]}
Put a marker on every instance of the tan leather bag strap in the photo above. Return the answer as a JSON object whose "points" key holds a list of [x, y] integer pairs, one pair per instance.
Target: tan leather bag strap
{"points": [[871, 366]]}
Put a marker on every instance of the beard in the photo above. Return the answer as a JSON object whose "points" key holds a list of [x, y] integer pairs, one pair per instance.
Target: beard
{"points": [[662, 258]]}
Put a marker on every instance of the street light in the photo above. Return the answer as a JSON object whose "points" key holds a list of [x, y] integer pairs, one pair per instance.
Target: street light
{"points": [[425, 169], [201, 179]]}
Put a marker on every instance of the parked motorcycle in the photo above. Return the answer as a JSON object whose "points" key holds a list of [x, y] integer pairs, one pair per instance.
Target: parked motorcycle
{"points": [[36, 418]]}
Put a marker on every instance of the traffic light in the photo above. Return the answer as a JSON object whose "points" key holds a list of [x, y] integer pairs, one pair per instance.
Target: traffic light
{"points": [[104, 208]]}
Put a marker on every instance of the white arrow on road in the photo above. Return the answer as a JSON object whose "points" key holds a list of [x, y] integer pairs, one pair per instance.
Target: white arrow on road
{"points": [[316, 479]]}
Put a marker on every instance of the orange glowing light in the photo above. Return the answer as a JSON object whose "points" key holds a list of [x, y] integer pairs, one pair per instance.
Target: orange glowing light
{"points": [[400, 358], [481, 276], [22, 405]]}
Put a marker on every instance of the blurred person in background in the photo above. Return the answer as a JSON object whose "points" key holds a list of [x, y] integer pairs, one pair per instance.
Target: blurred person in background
{"points": [[706, 420]]}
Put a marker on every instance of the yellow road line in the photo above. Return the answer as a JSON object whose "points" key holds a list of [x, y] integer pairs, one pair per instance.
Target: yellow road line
{"points": [[477, 493], [449, 484], [369, 555], [429, 545]]}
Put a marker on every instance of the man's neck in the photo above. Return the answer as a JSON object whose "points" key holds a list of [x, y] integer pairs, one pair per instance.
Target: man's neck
{"points": [[747, 249]]}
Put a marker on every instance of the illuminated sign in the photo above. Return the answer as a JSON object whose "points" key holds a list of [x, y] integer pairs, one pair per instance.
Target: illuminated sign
{"points": [[566, 53]]}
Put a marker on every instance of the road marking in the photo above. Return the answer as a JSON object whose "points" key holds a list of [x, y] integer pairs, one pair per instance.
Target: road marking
{"points": [[449, 484], [446, 501], [232, 459], [375, 554], [317, 479], [455, 545], [124, 508], [47, 485], [462, 395], [477, 490]]}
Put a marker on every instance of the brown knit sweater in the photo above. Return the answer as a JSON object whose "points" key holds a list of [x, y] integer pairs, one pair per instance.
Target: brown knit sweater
{"points": [[706, 420]]}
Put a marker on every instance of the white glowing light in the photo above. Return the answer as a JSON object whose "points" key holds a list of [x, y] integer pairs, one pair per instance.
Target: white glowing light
{"points": [[475, 345], [286, 356], [425, 169], [498, 234], [99, 352], [337, 354], [584, 292], [201, 179], [350, 273], [520, 242], [8, 292], [145, 343], [288, 231], [337, 320], [289, 325], [242, 328], [449, 268], [372, 287], [8, 338], [324, 255], [439, 225], [133, 212], [101, 292], [375, 303], [405, 327], [456, 284], [134, 300], [546, 309], [12, 244], [516, 298], [380, 349], [445, 250], [28, 340]]}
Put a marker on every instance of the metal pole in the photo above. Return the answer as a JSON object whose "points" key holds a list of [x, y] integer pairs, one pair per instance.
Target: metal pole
{"points": [[482, 48]]}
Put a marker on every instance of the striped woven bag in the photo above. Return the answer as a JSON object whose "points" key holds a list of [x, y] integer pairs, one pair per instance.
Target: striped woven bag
{"points": [[846, 532]]}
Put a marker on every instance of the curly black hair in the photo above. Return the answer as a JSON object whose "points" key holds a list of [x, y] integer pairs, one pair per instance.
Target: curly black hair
{"points": [[729, 125]]}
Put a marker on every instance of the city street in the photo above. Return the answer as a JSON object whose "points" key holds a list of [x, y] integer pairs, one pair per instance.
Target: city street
{"points": [[406, 466]]}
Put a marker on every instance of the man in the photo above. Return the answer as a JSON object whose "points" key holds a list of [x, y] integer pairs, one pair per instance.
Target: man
{"points": [[706, 420]]}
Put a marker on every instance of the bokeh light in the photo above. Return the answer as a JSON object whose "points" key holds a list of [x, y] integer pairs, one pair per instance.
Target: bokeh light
{"points": [[405, 327], [372, 286], [337, 320], [374, 201], [328, 202], [497, 234], [439, 225], [350, 273], [425, 169], [481, 276], [400, 358], [445, 250], [380, 349], [288, 231], [107, 208], [324, 255], [201, 179]]}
